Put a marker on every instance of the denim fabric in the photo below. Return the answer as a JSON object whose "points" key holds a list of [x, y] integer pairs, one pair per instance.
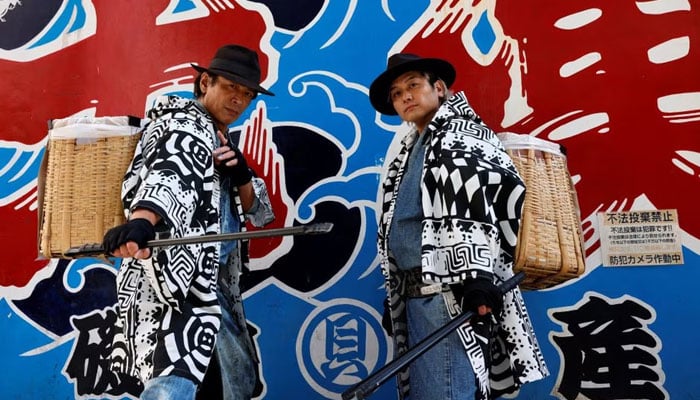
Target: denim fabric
{"points": [[405, 232], [170, 387], [229, 221], [232, 343], [443, 372], [237, 366]]}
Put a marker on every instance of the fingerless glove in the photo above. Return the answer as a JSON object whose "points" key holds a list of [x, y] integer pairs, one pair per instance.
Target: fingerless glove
{"points": [[240, 173], [139, 230], [481, 291]]}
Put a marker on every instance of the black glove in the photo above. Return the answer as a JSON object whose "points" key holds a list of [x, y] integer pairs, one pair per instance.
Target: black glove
{"points": [[240, 173], [386, 319], [139, 230], [481, 292]]}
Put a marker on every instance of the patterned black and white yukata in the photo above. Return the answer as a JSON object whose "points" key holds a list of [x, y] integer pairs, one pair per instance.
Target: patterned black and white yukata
{"points": [[471, 196], [168, 312]]}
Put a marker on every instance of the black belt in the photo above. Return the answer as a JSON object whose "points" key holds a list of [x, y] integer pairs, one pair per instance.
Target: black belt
{"points": [[415, 287]]}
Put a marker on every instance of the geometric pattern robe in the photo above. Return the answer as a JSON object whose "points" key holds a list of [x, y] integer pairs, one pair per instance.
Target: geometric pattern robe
{"points": [[167, 307], [472, 197]]}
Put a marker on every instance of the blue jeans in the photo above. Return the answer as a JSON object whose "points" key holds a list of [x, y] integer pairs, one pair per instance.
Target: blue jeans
{"points": [[444, 372], [238, 369], [171, 387]]}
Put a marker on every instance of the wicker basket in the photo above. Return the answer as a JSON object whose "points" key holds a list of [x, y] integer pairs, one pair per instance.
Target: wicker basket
{"points": [[550, 248], [80, 180]]}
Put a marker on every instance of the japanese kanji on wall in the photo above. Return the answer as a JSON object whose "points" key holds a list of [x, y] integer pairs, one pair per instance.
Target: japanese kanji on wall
{"points": [[634, 238], [615, 83]]}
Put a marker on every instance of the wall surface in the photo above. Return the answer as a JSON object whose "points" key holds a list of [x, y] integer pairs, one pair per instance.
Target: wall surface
{"points": [[615, 82]]}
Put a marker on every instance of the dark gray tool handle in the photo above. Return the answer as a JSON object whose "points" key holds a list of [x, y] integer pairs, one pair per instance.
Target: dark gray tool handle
{"points": [[96, 249]]}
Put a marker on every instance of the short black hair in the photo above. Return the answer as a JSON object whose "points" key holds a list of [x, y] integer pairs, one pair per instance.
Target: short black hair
{"points": [[197, 91]]}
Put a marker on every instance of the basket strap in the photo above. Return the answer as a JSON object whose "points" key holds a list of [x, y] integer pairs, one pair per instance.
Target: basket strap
{"points": [[134, 121]]}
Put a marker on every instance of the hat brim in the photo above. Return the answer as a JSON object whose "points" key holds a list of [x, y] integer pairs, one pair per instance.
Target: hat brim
{"points": [[234, 78], [379, 89]]}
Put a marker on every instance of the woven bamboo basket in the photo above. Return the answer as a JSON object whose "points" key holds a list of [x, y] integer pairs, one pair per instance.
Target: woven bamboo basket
{"points": [[550, 246], [80, 183]]}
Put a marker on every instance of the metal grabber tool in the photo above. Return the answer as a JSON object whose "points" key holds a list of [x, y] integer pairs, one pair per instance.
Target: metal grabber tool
{"points": [[96, 249]]}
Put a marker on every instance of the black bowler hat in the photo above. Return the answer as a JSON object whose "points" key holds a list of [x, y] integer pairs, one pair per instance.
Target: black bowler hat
{"points": [[401, 63], [238, 64]]}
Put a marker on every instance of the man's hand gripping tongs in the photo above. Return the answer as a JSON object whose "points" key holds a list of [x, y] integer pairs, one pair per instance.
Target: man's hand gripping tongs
{"points": [[96, 249]]}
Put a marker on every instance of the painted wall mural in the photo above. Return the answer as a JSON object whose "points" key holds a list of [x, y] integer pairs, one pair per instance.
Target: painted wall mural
{"points": [[615, 82]]}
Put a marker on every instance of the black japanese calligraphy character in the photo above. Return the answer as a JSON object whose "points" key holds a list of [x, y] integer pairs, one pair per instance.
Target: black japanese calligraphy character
{"points": [[88, 364], [609, 352]]}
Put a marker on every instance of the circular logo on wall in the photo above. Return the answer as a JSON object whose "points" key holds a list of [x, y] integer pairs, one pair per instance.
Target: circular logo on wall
{"points": [[339, 344]]}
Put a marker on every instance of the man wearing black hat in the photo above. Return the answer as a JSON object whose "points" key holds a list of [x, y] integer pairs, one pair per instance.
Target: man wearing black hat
{"points": [[447, 236], [178, 306]]}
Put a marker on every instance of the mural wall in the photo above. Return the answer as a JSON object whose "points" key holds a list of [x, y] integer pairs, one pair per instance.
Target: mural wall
{"points": [[615, 82]]}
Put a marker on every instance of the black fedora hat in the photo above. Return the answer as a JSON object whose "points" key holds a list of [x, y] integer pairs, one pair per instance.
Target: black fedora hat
{"points": [[238, 64], [401, 63]]}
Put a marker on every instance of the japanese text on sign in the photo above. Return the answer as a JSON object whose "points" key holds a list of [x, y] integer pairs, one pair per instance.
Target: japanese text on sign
{"points": [[636, 238]]}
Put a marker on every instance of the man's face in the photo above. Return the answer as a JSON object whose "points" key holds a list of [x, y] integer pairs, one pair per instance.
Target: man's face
{"points": [[224, 99], [414, 98]]}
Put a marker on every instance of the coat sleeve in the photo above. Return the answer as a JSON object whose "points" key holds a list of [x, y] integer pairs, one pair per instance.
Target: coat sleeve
{"points": [[261, 213], [176, 184]]}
